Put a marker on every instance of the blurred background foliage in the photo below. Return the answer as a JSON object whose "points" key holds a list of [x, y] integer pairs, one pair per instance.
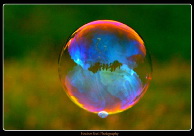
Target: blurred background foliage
{"points": [[34, 36]]}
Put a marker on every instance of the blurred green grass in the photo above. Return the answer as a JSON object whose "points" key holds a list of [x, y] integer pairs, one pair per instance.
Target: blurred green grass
{"points": [[34, 99], [33, 95]]}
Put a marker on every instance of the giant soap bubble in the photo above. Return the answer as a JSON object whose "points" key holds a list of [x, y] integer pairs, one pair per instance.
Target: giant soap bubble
{"points": [[105, 67]]}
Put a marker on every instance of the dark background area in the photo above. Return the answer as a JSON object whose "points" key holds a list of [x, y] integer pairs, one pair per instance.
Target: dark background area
{"points": [[34, 36], [36, 28]]}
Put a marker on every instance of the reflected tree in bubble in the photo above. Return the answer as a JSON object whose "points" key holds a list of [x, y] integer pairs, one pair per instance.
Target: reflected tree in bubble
{"points": [[105, 67]]}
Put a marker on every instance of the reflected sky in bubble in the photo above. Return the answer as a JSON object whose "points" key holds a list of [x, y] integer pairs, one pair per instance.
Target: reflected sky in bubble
{"points": [[106, 54]]}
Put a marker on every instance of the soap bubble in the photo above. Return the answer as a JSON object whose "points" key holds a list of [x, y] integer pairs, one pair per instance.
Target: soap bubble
{"points": [[102, 114], [105, 66]]}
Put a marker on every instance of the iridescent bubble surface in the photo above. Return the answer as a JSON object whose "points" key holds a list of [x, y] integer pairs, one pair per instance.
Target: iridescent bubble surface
{"points": [[105, 66]]}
